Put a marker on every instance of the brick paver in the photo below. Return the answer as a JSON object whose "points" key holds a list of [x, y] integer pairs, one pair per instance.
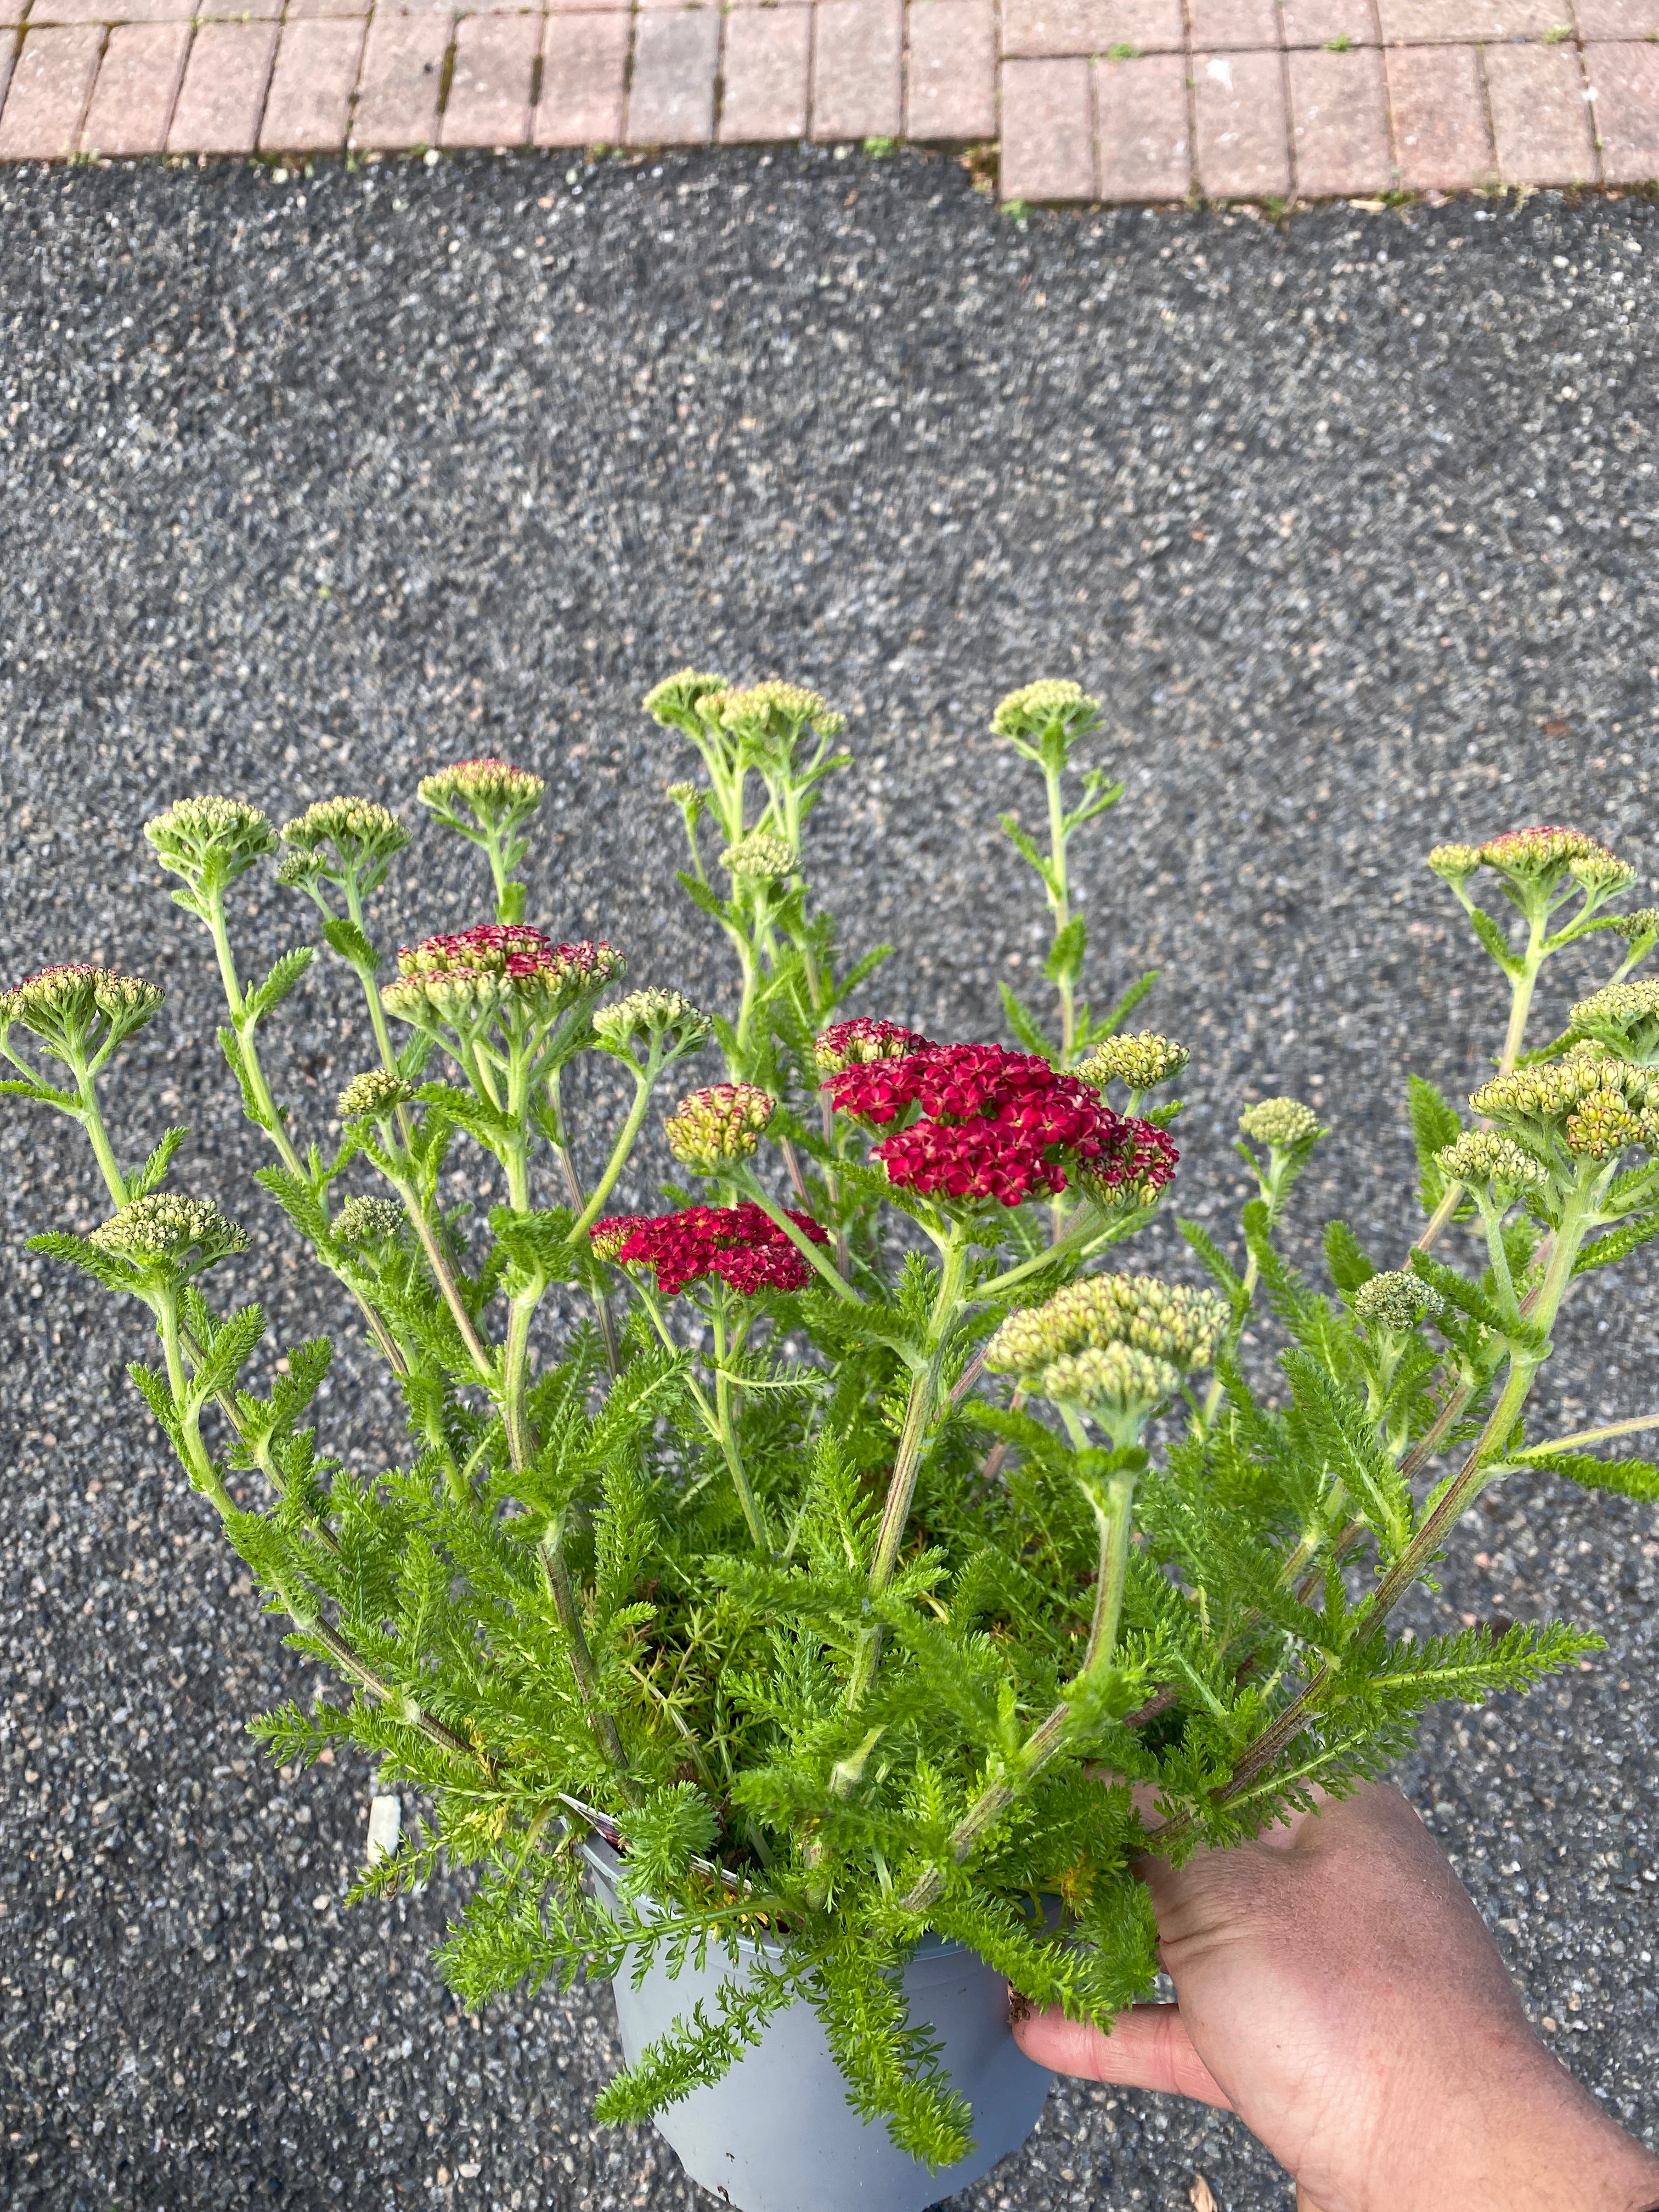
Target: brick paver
{"points": [[768, 74], [1119, 100], [1047, 130], [1625, 81], [1540, 119], [1141, 129], [51, 85], [951, 90], [1243, 152], [402, 77], [137, 83], [584, 80], [489, 93], [1338, 122], [1440, 136], [857, 56], [676, 57], [223, 93], [309, 104]]}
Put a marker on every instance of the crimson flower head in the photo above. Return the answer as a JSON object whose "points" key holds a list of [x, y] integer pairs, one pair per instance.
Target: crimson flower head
{"points": [[495, 966], [999, 1125], [856, 1043], [741, 1244]]}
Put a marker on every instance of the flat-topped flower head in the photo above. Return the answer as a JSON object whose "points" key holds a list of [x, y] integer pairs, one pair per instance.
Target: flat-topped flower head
{"points": [[741, 1245], [1396, 1301], [675, 702], [760, 857], [1625, 1019], [1029, 714], [208, 843], [493, 791], [369, 1224], [1455, 863], [715, 1127], [376, 1094], [1184, 1327], [653, 1018], [776, 709], [1590, 1103], [1120, 1386], [1139, 1062], [465, 978], [997, 1125], [858, 1042], [341, 841], [165, 1237], [1603, 875], [1283, 1125], [1543, 852], [1488, 1159], [79, 1012]]}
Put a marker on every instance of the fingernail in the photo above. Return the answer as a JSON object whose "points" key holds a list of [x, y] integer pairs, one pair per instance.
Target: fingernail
{"points": [[1019, 2008]]}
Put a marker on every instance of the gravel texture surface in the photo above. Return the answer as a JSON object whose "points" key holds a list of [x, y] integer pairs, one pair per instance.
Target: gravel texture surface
{"points": [[314, 486]]}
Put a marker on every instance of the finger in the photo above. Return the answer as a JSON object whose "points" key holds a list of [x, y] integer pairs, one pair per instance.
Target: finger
{"points": [[1148, 2048]]}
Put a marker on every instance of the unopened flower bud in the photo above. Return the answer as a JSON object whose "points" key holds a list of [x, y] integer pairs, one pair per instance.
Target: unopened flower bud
{"points": [[1283, 1125], [78, 1011], [861, 1042], [1397, 1300], [1178, 1324], [649, 1016], [716, 1126], [341, 841], [1542, 1098], [168, 1235], [674, 701], [208, 843], [1028, 714], [1139, 1063], [1604, 1125], [1634, 927], [377, 1093], [1455, 862], [364, 1225], [1625, 1017], [1488, 1158], [1113, 1379], [1602, 875], [760, 857], [1532, 855], [774, 709], [493, 791]]}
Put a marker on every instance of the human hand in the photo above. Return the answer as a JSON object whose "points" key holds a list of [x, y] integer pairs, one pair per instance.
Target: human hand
{"points": [[1338, 1991]]}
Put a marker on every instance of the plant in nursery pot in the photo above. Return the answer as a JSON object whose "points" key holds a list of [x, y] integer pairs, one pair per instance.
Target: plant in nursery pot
{"points": [[802, 1602]]}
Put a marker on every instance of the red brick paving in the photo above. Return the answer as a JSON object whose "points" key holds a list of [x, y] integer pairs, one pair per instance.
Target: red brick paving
{"points": [[309, 103], [767, 75], [1339, 122], [223, 94], [1540, 119], [137, 83], [1092, 99]]}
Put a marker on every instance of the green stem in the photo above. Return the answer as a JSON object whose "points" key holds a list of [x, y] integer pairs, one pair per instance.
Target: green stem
{"points": [[1582, 1437], [606, 1734], [92, 1121], [1060, 900], [644, 1084], [726, 1430], [818, 1255]]}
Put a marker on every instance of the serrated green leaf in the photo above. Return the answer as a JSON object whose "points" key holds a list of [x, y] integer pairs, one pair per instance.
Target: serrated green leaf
{"points": [[346, 938], [284, 975], [1024, 1023], [1630, 1477]]}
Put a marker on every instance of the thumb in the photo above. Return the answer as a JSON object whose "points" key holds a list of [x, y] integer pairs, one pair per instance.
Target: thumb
{"points": [[1148, 2048]]}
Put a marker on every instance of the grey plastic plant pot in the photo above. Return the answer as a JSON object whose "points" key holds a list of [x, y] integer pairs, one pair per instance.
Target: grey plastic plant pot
{"points": [[777, 2134]]}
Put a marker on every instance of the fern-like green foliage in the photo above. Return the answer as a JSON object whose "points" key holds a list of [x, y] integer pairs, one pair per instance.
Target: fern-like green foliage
{"points": [[829, 1632]]}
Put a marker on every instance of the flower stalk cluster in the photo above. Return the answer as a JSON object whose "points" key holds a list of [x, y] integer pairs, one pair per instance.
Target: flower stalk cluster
{"points": [[831, 1546]]}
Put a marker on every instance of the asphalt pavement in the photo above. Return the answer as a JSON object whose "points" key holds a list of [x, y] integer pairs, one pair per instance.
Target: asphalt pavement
{"points": [[312, 486]]}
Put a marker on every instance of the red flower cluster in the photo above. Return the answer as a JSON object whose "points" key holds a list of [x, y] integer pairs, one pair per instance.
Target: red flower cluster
{"points": [[999, 1125], [507, 948], [740, 1243], [854, 1043]]}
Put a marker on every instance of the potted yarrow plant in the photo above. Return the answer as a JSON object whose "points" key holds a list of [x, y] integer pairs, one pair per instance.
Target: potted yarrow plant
{"points": [[779, 1594]]}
